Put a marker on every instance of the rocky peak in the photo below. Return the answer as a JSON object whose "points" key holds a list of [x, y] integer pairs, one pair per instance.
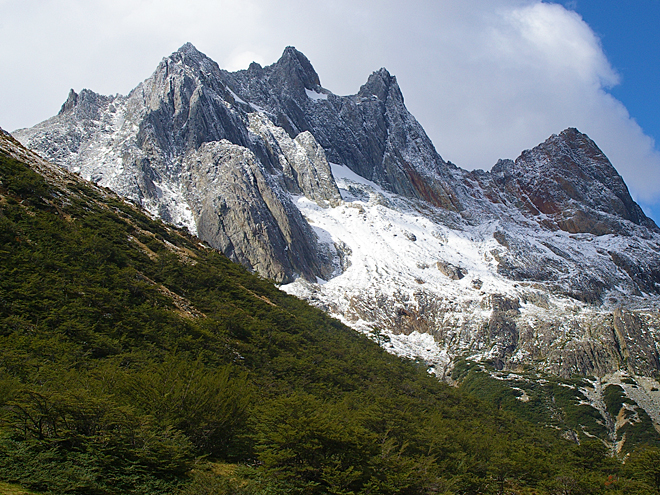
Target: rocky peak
{"points": [[187, 56], [186, 59], [579, 156], [189, 49], [382, 85], [294, 67], [186, 105], [84, 105], [575, 153], [571, 180], [372, 132], [69, 103]]}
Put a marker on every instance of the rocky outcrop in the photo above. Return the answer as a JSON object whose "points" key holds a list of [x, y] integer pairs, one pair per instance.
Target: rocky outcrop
{"points": [[450, 270], [371, 132], [305, 168], [636, 344], [502, 330], [571, 181], [243, 215]]}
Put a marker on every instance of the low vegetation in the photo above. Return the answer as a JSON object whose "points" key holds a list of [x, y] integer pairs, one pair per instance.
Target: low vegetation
{"points": [[133, 360], [560, 403]]}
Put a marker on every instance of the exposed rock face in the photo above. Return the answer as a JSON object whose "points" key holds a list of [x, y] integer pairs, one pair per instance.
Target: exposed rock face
{"points": [[306, 169], [502, 328], [545, 261], [372, 132], [636, 346], [570, 180], [245, 217]]}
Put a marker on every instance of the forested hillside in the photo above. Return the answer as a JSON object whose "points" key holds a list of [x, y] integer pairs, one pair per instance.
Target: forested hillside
{"points": [[135, 360]]}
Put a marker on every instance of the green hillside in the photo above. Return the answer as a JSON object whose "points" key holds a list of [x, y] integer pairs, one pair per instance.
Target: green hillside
{"points": [[560, 403], [134, 360]]}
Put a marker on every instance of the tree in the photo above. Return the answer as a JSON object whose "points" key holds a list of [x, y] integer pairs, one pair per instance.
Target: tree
{"points": [[644, 466]]}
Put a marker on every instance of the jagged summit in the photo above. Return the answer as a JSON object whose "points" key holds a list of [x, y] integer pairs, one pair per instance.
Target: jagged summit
{"points": [[189, 49], [70, 102], [188, 54], [295, 63], [346, 201], [571, 180], [86, 105], [381, 84]]}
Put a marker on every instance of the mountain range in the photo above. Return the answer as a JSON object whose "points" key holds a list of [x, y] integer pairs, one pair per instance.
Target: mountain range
{"points": [[542, 267]]}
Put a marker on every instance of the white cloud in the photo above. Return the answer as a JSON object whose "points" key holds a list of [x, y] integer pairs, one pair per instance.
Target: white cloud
{"points": [[486, 78]]}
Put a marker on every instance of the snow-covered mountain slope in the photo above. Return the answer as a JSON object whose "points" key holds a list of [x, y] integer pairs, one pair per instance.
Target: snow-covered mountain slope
{"points": [[544, 262], [406, 272]]}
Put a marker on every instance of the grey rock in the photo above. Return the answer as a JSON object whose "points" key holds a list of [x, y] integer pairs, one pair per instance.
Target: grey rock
{"points": [[306, 169], [243, 215], [452, 271], [151, 146], [371, 132], [569, 179]]}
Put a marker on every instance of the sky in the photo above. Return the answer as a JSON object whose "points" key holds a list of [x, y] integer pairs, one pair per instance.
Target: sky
{"points": [[486, 78]]}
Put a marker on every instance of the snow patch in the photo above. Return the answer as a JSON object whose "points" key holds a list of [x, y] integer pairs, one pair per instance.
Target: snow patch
{"points": [[314, 95], [236, 97]]}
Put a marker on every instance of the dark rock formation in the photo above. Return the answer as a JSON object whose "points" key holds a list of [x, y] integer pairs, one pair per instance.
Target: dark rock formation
{"points": [[243, 216], [569, 179], [450, 270], [371, 132]]}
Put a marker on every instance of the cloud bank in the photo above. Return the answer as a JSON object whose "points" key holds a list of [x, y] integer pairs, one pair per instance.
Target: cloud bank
{"points": [[486, 78]]}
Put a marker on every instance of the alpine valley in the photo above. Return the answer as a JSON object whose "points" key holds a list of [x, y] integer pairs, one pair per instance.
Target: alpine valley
{"points": [[535, 285]]}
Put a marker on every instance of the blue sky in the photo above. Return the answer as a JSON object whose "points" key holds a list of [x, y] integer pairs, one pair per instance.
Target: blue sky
{"points": [[630, 34], [486, 78]]}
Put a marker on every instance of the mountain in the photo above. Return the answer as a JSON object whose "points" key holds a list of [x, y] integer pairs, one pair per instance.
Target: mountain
{"points": [[136, 359], [542, 266]]}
